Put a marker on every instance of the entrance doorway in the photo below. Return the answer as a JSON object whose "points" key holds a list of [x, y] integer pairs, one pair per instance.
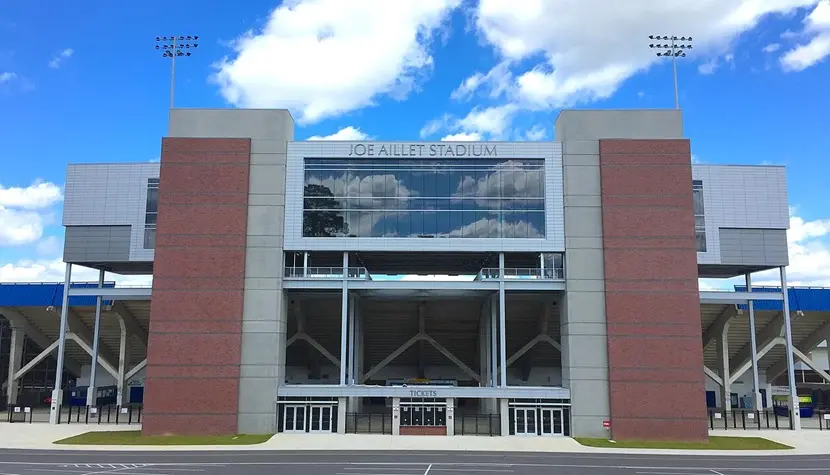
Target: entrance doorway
{"points": [[552, 419], [293, 420], [320, 418], [312, 416], [524, 421]]}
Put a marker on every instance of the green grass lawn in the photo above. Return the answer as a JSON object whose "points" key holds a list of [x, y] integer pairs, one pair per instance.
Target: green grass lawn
{"points": [[135, 438], [715, 443]]}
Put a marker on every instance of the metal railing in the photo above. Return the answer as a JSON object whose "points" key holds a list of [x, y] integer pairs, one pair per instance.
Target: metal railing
{"points": [[350, 273], [478, 424], [110, 414], [368, 423], [748, 419], [522, 273]]}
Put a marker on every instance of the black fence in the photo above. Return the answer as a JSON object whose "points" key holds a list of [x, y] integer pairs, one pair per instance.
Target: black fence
{"points": [[19, 414], [478, 424], [747, 419], [366, 423], [100, 415]]}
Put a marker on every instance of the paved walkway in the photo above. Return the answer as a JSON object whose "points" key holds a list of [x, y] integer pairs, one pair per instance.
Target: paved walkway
{"points": [[42, 436]]}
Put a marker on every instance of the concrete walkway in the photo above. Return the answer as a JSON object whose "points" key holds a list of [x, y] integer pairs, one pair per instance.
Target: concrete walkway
{"points": [[42, 436]]}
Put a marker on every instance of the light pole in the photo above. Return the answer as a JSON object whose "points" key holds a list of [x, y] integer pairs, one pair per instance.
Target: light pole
{"points": [[675, 49], [173, 47]]}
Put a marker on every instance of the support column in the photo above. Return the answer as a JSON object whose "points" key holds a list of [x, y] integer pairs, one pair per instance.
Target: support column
{"points": [[122, 362], [341, 415], [15, 361], [344, 321], [93, 372], [494, 350], [57, 392], [305, 264], [450, 416], [795, 409], [504, 417], [396, 416], [723, 360], [352, 322], [756, 387], [502, 325]]}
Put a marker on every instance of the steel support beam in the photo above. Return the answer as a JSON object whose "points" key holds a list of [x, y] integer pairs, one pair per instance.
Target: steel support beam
{"points": [[451, 357], [134, 328], [807, 345], [96, 338], [57, 392], [344, 321], [756, 385], [773, 330], [788, 337], [80, 329], [809, 362], [712, 375], [121, 381], [18, 319], [372, 371], [15, 360], [84, 344], [37, 359], [141, 365], [502, 324], [744, 367], [715, 328]]}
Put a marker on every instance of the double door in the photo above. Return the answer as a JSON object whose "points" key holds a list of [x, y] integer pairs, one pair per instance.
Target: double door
{"points": [[538, 421], [312, 419]]}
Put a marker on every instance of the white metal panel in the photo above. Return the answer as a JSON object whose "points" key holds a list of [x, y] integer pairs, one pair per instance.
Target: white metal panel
{"points": [[110, 194], [554, 239], [740, 196]]}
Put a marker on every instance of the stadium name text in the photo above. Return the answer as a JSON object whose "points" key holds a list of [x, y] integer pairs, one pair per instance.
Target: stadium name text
{"points": [[422, 150]]}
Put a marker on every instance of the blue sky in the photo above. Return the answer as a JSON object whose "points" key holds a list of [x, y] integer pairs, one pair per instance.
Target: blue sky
{"points": [[82, 82]]}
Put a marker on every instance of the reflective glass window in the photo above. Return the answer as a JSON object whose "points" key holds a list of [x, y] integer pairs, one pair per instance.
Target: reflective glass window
{"points": [[424, 198]]}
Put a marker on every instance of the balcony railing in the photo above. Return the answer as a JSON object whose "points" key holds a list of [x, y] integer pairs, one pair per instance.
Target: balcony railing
{"points": [[350, 273], [492, 273]]}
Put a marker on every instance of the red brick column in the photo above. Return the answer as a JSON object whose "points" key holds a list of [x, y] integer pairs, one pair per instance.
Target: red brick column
{"points": [[655, 355], [193, 354]]}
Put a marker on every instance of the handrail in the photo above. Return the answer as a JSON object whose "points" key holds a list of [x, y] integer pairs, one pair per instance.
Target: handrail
{"points": [[522, 273], [350, 273]]}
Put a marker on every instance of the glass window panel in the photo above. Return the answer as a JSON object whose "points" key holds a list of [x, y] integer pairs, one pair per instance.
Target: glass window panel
{"points": [[700, 238], [536, 224], [365, 224], [416, 223], [150, 238], [430, 183], [700, 221], [404, 226], [535, 184], [520, 184], [430, 223], [508, 225], [152, 200], [697, 197], [443, 223], [456, 224], [150, 218]]}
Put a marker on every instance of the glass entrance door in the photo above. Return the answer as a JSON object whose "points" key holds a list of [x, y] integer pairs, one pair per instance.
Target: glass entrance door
{"points": [[320, 419], [294, 419], [524, 421], [552, 421]]}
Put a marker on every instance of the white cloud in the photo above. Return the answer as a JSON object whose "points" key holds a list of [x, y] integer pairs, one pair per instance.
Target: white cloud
{"points": [[58, 59], [581, 66], [498, 78], [7, 76], [817, 25], [536, 133], [322, 58], [489, 122], [771, 48], [346, 133], [462, 137], [713, 64], [52, 270], [49, 246], [19, 227], [21, 217], [40, 194]]}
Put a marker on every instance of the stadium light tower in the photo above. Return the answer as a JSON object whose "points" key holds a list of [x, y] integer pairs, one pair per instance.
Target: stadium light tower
{"points": [[175, 47], [671, 47]]}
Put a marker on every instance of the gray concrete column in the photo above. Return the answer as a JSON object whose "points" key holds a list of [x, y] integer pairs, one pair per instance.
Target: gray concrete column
{"points": [[123, 352], [450, 416], [344, 321], [722, 343], [756, 386], [15, 362], [341, 415], [91, 400], [795, 407], [504, 416], [396, 416], [502, 325], [57, 392]]}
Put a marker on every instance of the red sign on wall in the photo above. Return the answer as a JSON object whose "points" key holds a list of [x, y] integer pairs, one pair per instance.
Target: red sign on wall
{"points": [[606, 424]]}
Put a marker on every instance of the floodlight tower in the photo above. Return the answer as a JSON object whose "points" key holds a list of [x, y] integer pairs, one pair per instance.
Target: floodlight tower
{"points": [[175, 47], [675, 49]]}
